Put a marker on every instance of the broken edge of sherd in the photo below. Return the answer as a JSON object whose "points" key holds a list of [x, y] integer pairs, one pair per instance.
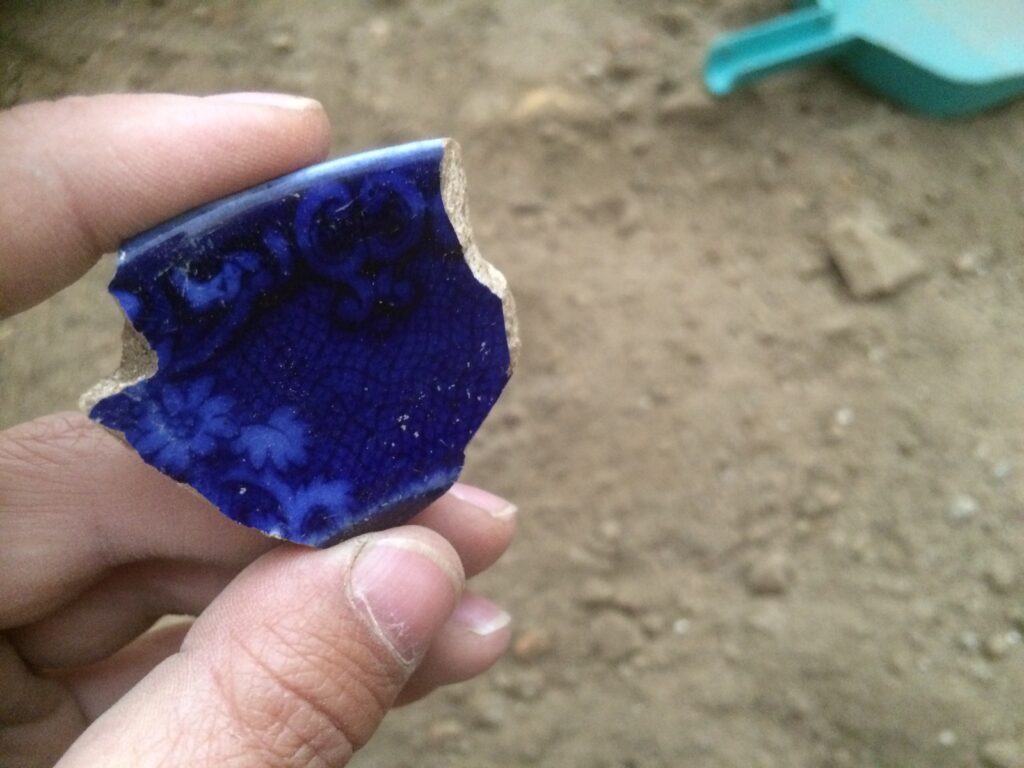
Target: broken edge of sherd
{"points": [[138, 363], [453, 195]]}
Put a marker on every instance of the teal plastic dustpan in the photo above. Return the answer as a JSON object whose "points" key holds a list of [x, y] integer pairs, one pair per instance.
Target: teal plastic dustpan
{"points": [[939, 57]]}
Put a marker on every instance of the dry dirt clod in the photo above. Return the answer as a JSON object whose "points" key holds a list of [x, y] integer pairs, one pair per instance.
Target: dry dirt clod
{"points": [[524, 684], [690, 107], [676, 21], [653, 623], [615, 638], [1000, 574], [819, 500], [626, 106], [599, 593], [444, 730], [770, 574], [1016, 618], [626, 63], [281, 42], [555, 104], [872, 261], [491, 710], [998, 644], [1002, 753]]}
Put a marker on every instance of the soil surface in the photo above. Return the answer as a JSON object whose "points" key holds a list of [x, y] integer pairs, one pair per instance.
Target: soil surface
{"points": [[772, 494]]}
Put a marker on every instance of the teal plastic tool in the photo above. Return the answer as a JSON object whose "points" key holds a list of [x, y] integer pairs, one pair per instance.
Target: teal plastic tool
{"points": [[939, 57]]}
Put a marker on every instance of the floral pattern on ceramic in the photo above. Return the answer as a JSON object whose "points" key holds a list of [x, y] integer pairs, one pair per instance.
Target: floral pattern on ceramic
{"points": [[324, 350]]}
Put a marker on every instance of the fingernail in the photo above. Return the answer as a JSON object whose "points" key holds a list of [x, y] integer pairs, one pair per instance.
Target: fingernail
{"points": [[406, 589], [480, 616], [481, 499], [280, 100]]}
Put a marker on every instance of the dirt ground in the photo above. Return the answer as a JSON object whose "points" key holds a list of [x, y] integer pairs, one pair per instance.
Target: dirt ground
{"points": [[764, 523]]}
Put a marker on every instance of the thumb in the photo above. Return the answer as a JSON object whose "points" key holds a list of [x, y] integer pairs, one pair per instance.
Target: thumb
{"points": [[294, 664]]}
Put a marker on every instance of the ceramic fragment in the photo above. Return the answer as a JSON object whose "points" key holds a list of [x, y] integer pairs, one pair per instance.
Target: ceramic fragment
{"points": [[313, 355]]}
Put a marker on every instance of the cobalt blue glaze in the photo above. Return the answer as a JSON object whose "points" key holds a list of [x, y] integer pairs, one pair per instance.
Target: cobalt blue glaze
{"points": [[324, 351]]}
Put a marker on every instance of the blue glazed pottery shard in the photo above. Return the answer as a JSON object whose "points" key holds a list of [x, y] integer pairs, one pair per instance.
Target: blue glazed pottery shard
{"points": [[313, 355]]}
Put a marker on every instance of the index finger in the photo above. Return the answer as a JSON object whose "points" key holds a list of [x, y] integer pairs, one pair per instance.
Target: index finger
{"points": [[79, 175]]}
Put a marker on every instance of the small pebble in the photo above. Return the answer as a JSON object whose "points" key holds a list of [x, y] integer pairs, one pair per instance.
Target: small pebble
{"points": [[1002, 469], [625, 64], [681, 626], [641, 143], [600, 593], [947, 738], [997, 645], [594, 71], [844, 417], [610, 530], [1000, 574], [968, 640], [615, 638], [981, 670], [625, 106], [491, 710], [531, 644], [974, 262], [963, 506]]}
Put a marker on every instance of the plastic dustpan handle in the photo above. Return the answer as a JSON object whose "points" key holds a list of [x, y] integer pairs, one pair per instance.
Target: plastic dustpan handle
{"points": [[788, 41]]}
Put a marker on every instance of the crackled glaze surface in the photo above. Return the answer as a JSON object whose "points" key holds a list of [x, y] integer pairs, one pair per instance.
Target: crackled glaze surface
{"points": [[324, 351]]}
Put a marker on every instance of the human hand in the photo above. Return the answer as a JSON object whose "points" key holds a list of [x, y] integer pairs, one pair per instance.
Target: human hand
{"points": [[296, 654]]}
